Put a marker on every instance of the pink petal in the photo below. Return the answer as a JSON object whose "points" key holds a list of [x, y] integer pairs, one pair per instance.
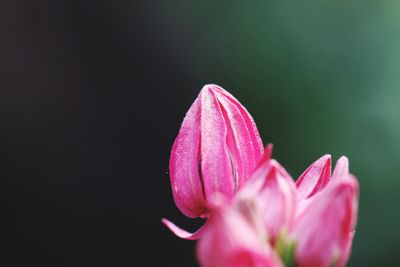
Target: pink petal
{"points": [[232, 242], [274, 194], [277, 200], [240, 138], [249, 258], [323, 230], [341, 170], [314, 178], [267, 152], [184, 165], [179, 232], [347, 251], [251, 125], [216, 165]]}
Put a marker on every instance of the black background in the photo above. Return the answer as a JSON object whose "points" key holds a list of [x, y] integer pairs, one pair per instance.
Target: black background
{"points": [[91, 101]]}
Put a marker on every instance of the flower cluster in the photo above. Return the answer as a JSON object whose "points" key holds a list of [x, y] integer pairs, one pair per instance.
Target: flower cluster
{"points": [[256, 215]]}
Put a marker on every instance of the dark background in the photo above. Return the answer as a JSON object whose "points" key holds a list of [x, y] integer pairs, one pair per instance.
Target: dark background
{"points": [[92, 94]]}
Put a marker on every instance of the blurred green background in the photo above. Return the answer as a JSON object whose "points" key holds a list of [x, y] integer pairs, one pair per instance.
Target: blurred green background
{"points": [[318, 77]]}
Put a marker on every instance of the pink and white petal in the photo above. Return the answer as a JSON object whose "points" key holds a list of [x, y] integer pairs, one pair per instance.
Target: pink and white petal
{"points": [[184, 165], [284, 174], [277, 201], [231, 241], [246, 153], [216, 165], [179, 232], [322, 232], [341, 170], [251, 125], [314, 178], [274, 194]]}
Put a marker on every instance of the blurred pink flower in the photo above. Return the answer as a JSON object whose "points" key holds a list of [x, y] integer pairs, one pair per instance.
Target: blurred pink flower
{"points": [[311, 225], [274, 193], [231, 239], [324, 228]]}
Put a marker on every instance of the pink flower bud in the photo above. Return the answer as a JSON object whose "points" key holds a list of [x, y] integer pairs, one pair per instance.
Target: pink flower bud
{"points": [[312, 181], [274, 192], [314, 178], [216, 150], [231, 240], [325, 229]]}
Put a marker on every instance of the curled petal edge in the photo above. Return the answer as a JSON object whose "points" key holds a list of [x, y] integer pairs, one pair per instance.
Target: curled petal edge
{"points": [[179, 232]]}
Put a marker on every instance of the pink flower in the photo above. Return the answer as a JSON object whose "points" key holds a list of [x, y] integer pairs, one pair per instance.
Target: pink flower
{"points": [[217, 149], [324, 229], [274, 193], [231, 240], [308, 226]]}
